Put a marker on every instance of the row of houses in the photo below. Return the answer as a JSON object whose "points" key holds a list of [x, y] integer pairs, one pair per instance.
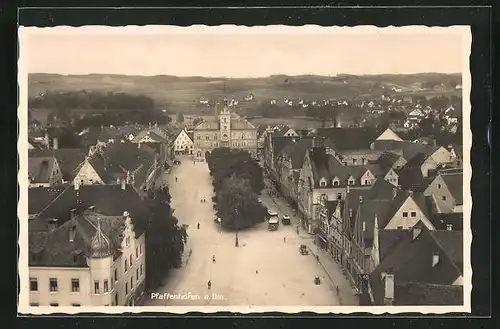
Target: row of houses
{"points": [[87, 213], [362, 192]]}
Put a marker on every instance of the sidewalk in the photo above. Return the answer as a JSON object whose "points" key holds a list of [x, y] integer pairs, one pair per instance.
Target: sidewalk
{"points": [[334, 270]]}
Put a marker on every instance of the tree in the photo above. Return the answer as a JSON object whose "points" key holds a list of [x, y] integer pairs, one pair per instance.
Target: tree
{"points": [[224, 162], [237, 205], [165, 239], [196, 121]]}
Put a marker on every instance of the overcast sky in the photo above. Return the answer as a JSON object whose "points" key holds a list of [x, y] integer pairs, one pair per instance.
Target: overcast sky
{"points": [[242, 52]]}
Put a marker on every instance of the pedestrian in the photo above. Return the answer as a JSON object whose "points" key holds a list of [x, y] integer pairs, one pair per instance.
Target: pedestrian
{"points": [[190, 252], [198, 226], [284, 239], [338, 291], [213, 259], [209, 284], [176, 179], [256, 271]]}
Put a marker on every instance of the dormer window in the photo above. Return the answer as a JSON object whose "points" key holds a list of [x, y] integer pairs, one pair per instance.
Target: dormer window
{"points": [[351, 181], [336, 182], [322, 182]]}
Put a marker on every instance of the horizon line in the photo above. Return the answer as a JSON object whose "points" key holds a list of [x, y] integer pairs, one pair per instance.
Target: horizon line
{"points": [[255, 77]]}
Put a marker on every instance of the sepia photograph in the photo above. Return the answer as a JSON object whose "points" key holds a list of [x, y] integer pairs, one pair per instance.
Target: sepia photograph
{"points": [[244, 169]]}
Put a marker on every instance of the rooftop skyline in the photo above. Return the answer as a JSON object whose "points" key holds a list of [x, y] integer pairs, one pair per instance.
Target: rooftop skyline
{"points": [[241, 52]]}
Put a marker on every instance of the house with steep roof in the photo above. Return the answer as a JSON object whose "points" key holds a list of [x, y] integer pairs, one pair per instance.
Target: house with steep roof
{"points": [[405, 210], [67, 159], [389, 134], [90, 260], [183, 143], [390, 159], [416, 267], [343, 139], [110, 164], [457, 153], [289, 163], [43, 171], [446, 191]]}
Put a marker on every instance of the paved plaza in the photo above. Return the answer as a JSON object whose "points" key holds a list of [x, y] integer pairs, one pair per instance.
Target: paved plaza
{"points": [[263, 271]]}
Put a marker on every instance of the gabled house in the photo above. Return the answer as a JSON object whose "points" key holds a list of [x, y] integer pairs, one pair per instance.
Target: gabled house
{"points": [[389, 134], [67, 159], [384, 172], [43, 171], [416, 113], [405, 210], [183, 143], [446, 191], [416, 267], [110, 164], [457, 153], [285, 131], [390, 159]]}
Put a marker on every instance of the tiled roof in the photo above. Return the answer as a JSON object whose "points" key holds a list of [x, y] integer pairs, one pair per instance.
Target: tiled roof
{"points": [[296, 149], [350, 138], [388, 159], [413, 293], [279, 143], [67, 159], [409, 149], [410, 260], [207, 125], [107, 133], [440, 221], [110, 200], [454, 182], [412, 178], [54, 248], [40, 197], [151, 134], [452, 243], [241, 124], [40, 169]]}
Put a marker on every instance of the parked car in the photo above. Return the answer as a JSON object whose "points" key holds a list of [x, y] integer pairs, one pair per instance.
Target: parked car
{"points": [[286, 220], [303, 249], [177, 162]]}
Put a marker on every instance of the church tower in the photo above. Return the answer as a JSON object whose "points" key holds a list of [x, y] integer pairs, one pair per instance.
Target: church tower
{"points": [[225, 126]]}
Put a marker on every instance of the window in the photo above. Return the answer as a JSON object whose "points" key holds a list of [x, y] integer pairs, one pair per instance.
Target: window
{"points": [[76, 305], [116, 299], [126, 265], [136, 252], [131, 282], [354, 161], [206, 137], [322, 183], [106, 288], [400, 227], [126, 288], [116, 274], [367, 182], [335, 183], [141, 269], [443, 198], [413, 214], [137, 274], [53, 284], [54, 304], [351, 182], [33, 284], [75, 285], [339, 196], [439, 185], [130, 260], [345, 163], [34, 304], [405, 214], [96, 287]]}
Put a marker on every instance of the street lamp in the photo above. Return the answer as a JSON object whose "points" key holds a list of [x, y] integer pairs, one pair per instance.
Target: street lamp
{"points": [[236, 243]]}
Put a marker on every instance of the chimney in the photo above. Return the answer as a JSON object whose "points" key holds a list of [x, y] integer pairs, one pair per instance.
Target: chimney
{"points": [[389, 289], [394, 193], [76, 185], [52, 224], [72, 232], [124, 184], [360, 199], [449, 227], [364, 226], [435, 259], [138, 145], [55, 144], [416, 232], [72, 213]]}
